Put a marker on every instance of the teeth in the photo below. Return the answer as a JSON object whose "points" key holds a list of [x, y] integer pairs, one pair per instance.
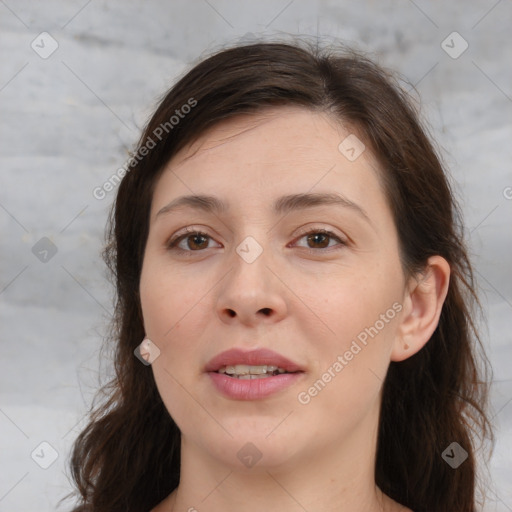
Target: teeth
{"points": [[244, 371], [251, 377]]}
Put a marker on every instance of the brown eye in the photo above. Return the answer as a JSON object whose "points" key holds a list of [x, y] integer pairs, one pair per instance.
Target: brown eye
{"points": [[197, 241], [190, 242], [318, 239]]}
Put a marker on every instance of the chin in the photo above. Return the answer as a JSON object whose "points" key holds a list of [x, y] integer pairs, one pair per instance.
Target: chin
{"points": [[253, 451]]}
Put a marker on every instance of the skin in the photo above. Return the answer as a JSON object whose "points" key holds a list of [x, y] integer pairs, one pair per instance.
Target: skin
{"points": [[308, 306]]}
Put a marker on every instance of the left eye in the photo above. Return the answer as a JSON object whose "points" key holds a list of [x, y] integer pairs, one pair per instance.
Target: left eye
{"points": [[197, 240], [321, 238]]}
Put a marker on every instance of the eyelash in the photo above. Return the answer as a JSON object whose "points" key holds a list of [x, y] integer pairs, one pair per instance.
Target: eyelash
{"points": [[173, 243]]}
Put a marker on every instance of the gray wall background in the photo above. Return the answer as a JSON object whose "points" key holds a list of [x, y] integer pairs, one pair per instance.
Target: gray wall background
{"points": [[68, 119]]}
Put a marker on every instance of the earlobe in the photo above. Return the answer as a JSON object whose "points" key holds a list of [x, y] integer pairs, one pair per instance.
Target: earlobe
{"points": [[422, 308]]}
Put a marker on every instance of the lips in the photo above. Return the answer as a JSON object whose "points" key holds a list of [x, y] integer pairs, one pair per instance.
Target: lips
{"points": [[258, 357]]}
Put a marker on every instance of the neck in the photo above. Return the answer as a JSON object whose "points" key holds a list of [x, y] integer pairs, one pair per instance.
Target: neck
{"points": [[327, 479]]}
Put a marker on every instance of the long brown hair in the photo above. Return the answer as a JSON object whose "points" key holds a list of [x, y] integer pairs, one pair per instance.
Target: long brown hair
{"points": [[127, 459]]}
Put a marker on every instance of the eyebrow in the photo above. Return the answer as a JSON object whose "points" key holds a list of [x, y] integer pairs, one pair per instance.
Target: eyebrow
{"points": [[283, 205]]}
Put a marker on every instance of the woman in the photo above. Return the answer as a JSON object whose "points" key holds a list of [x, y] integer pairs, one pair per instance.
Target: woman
{"points": [[285, 242]]}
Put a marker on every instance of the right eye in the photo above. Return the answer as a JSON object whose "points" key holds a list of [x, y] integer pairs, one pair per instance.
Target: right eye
{"points": [[194, 239]]}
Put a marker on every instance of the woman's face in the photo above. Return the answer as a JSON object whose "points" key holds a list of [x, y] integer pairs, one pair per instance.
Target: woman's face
{"points": [[261, 277]]}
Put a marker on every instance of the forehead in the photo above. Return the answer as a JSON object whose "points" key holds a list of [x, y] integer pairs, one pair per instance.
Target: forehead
{"points": [[281, 150], [286, 132]]}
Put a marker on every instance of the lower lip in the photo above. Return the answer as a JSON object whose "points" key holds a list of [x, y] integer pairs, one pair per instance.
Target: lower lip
{"points": [[252, 389]]}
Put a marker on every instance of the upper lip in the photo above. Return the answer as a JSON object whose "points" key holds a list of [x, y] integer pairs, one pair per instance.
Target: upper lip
{"points": [[257, 357]]}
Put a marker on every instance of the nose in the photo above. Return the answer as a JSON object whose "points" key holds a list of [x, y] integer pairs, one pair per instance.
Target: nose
{"points": [[251, 293]]}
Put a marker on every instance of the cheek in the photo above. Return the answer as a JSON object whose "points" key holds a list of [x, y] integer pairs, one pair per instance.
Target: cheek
{"points": [[352, 359], [349, 370], [168, 311], [360, 307], [174, 309], [165, 299]]}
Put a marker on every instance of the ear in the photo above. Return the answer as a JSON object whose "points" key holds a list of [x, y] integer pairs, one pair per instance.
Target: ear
{"points": [[423, 301]]}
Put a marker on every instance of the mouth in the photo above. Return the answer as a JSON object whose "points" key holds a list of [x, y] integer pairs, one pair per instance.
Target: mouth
{"points": [[255, 375], [240, 362]]}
